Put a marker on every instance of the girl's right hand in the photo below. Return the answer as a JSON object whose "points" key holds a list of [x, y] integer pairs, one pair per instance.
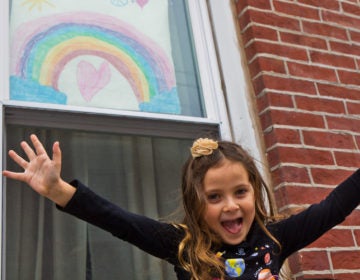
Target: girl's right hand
{"points": [[41, 173]]}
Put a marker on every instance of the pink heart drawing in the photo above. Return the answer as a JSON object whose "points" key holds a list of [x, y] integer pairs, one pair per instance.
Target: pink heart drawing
{"points": [[142, 3], [91, 81]]}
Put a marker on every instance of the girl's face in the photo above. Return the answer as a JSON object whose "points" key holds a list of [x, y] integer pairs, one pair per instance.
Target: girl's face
{"points": [[230, 201]]}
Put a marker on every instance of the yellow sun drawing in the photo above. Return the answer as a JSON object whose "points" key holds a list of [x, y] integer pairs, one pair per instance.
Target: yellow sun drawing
{"points": [[36, 3]]}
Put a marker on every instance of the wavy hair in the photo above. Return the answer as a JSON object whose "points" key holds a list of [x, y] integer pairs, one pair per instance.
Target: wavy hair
{"points": [[196, 250]]}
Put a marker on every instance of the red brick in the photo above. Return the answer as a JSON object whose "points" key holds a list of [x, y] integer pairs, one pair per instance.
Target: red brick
{"points": [[299, 155], [351, 9], [350, 159], [282, 135], [346, 259], [340, 19], [324, 29], [349, 77], [319, 105], [334, 238], [343, 123], [330, 177], [352, 220], [244, 20], [259, 32], [269, 64], [346, 48], [283, 84], [357, 237], [353, 108], [314, 261], [258, 47], [329, 140], [274, 100], [296, 10], [295, 263], [263, 102], [301, 195], [338, 91], [290, 174], [321, 276], [303, 40], [271, 19], [312, 72], [358, 61], [345, 276], [291, 118], [357, 138], [332, 59], [328, 4], [261, 4], [355, 36], [251, 51]]}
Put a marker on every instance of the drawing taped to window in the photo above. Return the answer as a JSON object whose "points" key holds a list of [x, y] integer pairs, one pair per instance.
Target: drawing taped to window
{"points": [[93, 53]]}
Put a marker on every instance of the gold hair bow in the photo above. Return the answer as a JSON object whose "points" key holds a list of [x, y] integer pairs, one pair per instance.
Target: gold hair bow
{"points": [[203, 147]]}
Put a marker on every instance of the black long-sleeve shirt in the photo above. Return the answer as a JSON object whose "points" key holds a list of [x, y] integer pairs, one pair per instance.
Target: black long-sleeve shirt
{"points": [[256, 258]]}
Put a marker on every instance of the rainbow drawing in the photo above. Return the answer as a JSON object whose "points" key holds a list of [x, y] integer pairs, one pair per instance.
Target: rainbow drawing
{"points": [[43, 47]]}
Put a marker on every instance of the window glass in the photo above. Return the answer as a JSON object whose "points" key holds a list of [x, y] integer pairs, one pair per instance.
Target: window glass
{"points": [[141, 174], [118, 54]]}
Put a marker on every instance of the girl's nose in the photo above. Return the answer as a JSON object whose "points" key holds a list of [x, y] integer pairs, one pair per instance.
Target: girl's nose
{"points": [[231, 205]]}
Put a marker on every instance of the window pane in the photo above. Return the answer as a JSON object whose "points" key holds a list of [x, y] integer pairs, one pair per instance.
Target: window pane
{"points": [[141, 174], [127, 55]]}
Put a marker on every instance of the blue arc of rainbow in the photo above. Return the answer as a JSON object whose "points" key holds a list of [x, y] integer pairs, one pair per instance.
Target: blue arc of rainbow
{"points": [[45, 46]]}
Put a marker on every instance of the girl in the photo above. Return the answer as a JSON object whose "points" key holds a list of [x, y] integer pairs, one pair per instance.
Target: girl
{"points": [[227, 232]]}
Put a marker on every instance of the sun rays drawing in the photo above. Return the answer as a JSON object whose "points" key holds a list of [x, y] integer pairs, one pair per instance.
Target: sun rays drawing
{"points": [[37, 3], [90, 55], [86, 58]]}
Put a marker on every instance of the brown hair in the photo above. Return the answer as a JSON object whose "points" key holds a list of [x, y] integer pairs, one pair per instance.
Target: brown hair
{"points": [[196, 250]]}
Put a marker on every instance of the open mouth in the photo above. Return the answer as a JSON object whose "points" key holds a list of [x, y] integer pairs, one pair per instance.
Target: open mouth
{"points": [[232, 226]]}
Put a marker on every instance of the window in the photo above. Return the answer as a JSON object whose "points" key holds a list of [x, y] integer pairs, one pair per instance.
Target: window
{"points": [[140, 173], [130, 154], [129, 55]]}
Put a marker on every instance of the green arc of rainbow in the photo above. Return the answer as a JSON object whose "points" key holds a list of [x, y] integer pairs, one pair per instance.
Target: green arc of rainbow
{"points": [[47, 46]]}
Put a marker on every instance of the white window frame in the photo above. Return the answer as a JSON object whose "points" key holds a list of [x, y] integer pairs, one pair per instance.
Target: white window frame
{"points": [[217, 47], [209, 76], [243, 121]]}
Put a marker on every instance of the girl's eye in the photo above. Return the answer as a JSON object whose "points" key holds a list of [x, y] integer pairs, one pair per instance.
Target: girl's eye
{"points": [[241, 192], [214, 197]]}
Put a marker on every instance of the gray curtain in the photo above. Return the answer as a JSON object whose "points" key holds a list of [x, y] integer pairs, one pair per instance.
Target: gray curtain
{"points": [[141, 174]]}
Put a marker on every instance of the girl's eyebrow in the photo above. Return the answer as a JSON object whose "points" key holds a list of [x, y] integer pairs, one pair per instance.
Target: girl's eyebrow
{"points": [[220, 189], [215, 189]]}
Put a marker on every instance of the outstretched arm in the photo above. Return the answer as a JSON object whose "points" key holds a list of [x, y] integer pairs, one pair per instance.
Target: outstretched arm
{"points": [[41, 172]]}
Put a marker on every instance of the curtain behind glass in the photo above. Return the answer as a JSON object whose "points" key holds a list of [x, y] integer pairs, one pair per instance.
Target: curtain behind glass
{"points": [[141, 174]]}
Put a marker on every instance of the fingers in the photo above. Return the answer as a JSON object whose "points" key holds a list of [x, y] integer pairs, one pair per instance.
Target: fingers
{"points": [[34, 153], [37, 159], [18, 159], [39, 148], [28, 150], [57, 154], [14, 175]]}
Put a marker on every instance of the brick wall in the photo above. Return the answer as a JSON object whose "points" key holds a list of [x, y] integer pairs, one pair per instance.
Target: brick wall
{"points": [[304, 61]]}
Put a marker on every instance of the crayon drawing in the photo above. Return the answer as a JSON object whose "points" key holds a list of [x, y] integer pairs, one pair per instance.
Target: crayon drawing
{"points": [[93, 59], [122, 3], [37, 4]]}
